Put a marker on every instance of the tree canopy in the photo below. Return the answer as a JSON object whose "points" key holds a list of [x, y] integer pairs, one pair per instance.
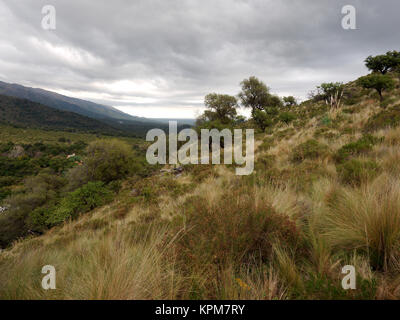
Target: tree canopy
{"points": [[383, 63], [255, 95], [220, 107], [378, 82]]}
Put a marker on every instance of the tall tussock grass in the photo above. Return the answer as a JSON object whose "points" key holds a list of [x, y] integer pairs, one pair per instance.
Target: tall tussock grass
{"points": [[312, 206], [121, 264], [366, 219]]}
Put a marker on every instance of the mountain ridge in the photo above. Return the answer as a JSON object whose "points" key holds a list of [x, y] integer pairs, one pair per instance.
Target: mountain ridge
{"points": [[62, 102]]}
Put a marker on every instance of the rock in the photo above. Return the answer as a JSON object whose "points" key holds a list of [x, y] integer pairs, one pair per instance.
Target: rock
{"points": [[16, 152], [178, 170]]}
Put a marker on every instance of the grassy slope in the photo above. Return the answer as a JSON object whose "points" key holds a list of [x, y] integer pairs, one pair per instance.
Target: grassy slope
{"points": [[173, 239]]}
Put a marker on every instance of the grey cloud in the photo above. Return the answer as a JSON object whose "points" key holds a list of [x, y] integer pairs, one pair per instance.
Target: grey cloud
{"points": [[186, 49]]}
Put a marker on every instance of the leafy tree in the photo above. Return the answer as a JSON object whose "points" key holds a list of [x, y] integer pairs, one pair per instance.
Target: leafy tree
{"points": [[331, 93], [220, 107], [255, 95], [378, 82], [264, 105], [289, 101], [384, 62], [262, 119]]}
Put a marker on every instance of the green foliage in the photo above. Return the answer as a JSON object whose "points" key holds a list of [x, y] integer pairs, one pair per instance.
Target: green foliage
{"points": [[287, 117], [331, 93], [108, 160], [378, 82], [355, 172], [84, 199], [384, 119], [326, 121], [384, 62], [310, 149], [38, 191], [255, 95], [322, 287], [362, 145], [262, 119], [289, 101], [220, 107]]}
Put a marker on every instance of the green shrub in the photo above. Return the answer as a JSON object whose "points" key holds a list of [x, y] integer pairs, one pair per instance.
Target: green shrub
{"points": [[108, 160], [310, 149], [355, 172], [84, 199], [362, 145], [326, 121], [287, 117]]}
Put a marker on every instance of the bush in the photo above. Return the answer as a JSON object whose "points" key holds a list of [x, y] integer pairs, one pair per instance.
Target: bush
{"points": [[84, 199], [384, 119], [38, 191], [287, 117], [363, 145], [326, 121], [108, 160], [310, 149], [355, 172], [232, 229]]}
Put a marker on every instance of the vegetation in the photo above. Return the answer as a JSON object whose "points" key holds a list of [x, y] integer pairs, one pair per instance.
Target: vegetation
{"points": [[311, 149], [378, 82], [289, 101], [331, 93], [383, 63], [325, 193]]}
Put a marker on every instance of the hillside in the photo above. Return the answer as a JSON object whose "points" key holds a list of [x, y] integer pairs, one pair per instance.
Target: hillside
{"points": [[325, 193], [64, 103], [25, 113]]}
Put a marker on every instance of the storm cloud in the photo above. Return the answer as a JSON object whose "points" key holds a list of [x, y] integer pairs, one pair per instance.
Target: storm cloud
{"points": [[159, 58]]}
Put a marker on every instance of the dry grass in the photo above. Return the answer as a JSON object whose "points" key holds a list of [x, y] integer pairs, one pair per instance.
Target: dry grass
{"points": [[367, 219], [214, 241]]}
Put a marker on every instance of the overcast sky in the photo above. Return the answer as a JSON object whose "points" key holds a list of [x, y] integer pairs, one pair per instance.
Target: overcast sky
{"points": [[160, 58]]}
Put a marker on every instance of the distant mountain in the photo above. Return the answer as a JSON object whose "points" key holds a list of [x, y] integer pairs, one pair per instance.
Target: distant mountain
{"points": [[64, 103], [26, 113]]}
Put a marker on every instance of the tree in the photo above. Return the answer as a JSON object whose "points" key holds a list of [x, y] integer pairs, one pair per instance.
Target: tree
{"points": [[378, 82], [108, 160], [395, 55], [331, 93], [255, 95], [220, 107], [262, 119], [383, 63], [289, 101]]}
